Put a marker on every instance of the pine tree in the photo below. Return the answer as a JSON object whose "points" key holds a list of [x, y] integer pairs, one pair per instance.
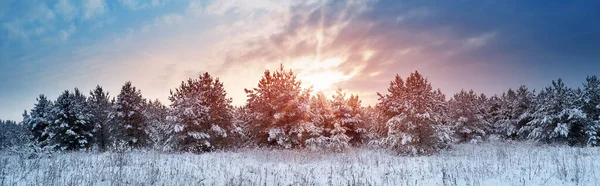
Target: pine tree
{"points": [[72, 126], [241, 118], [100, 107], [280, 110], [591, 107], [374, 124], [468, 117], [159, 130], [13, 134], [321, 116], [202, 114], [347, 118], [39, 121], [128, 118], [413, 126], [512, 111], [555, 118]]}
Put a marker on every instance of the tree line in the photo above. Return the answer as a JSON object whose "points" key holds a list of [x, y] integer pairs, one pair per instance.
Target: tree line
{"points": [[410, 118]]}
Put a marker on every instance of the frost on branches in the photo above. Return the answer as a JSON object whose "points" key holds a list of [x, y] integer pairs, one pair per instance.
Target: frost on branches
{"points": [[201, 113], [415, 124]]}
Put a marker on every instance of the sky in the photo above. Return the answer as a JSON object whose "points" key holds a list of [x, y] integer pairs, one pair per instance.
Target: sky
{"points": [[48, 46]]}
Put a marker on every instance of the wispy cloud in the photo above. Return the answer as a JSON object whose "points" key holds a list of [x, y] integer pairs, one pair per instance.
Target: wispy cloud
{"points": [[66, 9], [357, 45], [93, 8]]}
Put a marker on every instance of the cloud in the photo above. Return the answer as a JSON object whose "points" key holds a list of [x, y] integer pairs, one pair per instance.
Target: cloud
{"points": [[141, 4], [374, 40], [66, 9], [93, 8], [66, 33], [484, 45], [245, 7]]}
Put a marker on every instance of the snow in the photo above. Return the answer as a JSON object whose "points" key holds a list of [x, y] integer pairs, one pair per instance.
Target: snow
{"points": [[482, 164], [198, 135], [70, 132]]}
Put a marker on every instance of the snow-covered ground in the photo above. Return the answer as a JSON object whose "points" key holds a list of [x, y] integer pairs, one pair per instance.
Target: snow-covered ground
{"points": [[483, 164]]}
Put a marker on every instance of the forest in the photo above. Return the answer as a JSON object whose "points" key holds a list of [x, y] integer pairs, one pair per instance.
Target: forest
{"points": [[411, 118]]}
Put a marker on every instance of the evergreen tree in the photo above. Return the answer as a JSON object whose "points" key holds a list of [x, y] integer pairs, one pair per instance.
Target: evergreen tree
{"points": [[241, 118], [413, 126], [128, 118], [556, 119], [100, 106], [12, 134], [348, 121], [159, 130], [202, 114], [321, 116], [512, 112], [591, 107], [374, 124], [72, 126], [468, 116], [280, 110], [39, 121]]}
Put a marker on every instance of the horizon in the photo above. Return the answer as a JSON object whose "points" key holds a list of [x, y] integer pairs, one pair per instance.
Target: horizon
{"points": [[358, 46]]}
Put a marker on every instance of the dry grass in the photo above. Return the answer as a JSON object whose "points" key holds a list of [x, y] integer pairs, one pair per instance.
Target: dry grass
{"points": [[486, 164]]}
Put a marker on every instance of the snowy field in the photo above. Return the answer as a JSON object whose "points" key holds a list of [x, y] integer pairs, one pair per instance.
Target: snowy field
{"points": [[484, 164]]}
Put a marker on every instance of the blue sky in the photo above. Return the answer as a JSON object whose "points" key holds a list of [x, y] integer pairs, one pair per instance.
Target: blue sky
{"points": [[488, 46]]}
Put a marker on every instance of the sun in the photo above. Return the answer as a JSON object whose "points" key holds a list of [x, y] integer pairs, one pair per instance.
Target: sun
{"points": [[321, 75], [321, 81]]}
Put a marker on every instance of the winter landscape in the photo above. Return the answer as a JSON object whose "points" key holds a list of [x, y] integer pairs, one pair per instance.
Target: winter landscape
{"points": [[325, 92]]}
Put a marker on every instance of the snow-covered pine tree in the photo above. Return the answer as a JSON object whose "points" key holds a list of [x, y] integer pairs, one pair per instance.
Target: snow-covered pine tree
{"points": [[202, 114], [322, 118], [348, 117], [413, 126], [555, 119], [240, 136], [39, 120], [12, 134], [522, 110], [159, 130], [73, 125], [348, 125], [511, 112], [496, 116], [280, 109], [591, 107], [375, 124], [100, 106], [128, 119], [468, 117]]}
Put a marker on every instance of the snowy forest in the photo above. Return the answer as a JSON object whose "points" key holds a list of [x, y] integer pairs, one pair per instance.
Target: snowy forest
{"points": [[411, 118]]}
